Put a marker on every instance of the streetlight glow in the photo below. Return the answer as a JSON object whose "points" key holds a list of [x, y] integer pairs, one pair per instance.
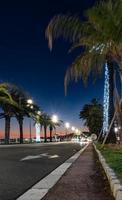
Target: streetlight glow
{"points": [[55, 118], [73, 128], [76, 130], [39, 112], [116, 129], [30, 101], [67, 125], [31, 107]]}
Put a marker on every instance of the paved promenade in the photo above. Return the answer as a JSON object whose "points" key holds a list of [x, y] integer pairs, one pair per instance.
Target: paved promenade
{"points": [[84, 180]]}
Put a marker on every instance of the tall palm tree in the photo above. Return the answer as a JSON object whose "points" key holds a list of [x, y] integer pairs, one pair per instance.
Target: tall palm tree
{"points": [[7, 104], [44, 121], [19, 112], [23, 109], [13, 101], [100, 40], [52, 126]]}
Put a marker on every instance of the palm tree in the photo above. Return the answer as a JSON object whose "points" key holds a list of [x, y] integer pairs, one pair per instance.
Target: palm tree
{"points": [[23, 109], [100, 40], [92, 114], [7, 104], [13, 101], [44, 121], [52, 126], [20, 111]]}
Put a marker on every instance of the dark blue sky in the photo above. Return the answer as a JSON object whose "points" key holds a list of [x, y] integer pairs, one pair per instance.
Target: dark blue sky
{"points": [[26, 60]]}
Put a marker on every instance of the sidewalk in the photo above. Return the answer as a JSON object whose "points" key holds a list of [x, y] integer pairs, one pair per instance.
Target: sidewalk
{"points": [[83, 181]]}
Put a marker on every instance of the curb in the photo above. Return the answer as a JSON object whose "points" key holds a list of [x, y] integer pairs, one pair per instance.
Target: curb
{"points": [[114, 182], [39, 190]]}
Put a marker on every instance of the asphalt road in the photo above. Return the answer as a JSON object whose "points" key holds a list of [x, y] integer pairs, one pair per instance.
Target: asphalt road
{"points": [[21, 166]]}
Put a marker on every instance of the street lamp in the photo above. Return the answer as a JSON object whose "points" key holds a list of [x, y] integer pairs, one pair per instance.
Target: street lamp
{"points": [[30, 104], [116, 129], [76, 131], [30, 101], [67, 125], [73, 128], [54, 120], [39, 112]]}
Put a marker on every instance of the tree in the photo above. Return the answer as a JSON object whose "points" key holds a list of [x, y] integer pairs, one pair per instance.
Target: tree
{"points": [[23, 109], [44, 121], [13, 101], [20, 111], [7, 104], [53, 125], [100, 40], [92, 114]]}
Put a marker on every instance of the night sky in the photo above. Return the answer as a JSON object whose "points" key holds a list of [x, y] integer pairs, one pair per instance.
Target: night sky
{"points": [[26, 60]]}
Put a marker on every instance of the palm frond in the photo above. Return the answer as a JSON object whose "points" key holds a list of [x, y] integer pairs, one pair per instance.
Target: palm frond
{"points": [[83, 66], [66, 26]]}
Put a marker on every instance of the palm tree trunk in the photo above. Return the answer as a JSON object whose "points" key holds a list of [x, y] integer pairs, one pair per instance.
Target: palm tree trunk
{"points": [[111, 137], [51, 129], [21, 129], [7, 129], [45, 133]]}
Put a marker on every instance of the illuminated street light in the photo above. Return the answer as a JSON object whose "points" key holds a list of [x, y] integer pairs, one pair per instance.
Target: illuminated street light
{"points": [[38, 112], [30, 101], [31, 107], [55, 118], [117, 132], [30, 104], [116, 129], [73, 128], [76, 131], [55, 121], [67, 125]]}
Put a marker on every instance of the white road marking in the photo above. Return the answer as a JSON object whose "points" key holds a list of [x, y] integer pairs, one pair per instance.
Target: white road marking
{"points": [[31, 157], [54, 156]]}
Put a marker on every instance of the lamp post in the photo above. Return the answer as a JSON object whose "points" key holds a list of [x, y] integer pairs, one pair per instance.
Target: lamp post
{"points": [[39, 112], [67, 125], [54, 120], [116, 129], [30, 104], [76, 131], [73, 128]]}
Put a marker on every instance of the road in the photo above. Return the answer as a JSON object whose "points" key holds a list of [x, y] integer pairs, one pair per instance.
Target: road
{"points": [[21, 166]]}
